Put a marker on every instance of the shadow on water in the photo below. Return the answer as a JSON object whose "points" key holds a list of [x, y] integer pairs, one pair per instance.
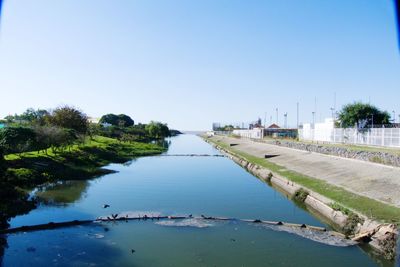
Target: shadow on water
{"points": [[62, 193], [77, 246]]}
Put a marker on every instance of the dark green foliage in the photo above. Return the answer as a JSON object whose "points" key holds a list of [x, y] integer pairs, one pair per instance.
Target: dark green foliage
{"points": [[174, 132], [301, 195], [362, 115], [269, 177], [351, 224], [55, 137], [17, 139], [2, 162], [120, 120], [69, 118], [29, 116], [157, 130]]}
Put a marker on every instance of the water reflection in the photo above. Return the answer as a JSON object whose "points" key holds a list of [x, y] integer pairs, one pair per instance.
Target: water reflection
{"points": [[62, 193]]}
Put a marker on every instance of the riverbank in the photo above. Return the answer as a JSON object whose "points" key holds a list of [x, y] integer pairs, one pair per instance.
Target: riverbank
{"points": [[336, 204], [77, 162], [381, 155]]}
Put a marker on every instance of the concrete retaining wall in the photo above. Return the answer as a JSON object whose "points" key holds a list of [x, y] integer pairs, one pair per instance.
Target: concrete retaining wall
{"points": [[377, 233], [371, 156]]}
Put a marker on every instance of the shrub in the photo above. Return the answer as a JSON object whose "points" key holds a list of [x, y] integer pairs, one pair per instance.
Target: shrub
{"points": [[301, 195], [269, 177], [351, 224], [340, 208], [21, 176]]}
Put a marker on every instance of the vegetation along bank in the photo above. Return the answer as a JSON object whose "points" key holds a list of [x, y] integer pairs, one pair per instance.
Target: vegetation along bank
{"points": [[46, 146]]}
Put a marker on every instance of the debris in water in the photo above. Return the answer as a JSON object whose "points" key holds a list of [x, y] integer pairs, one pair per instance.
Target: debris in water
{"points": [[325, 237], [186, 223]]}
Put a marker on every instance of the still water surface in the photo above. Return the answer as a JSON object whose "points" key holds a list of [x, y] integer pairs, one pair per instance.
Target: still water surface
{"points": [[212, 186]]}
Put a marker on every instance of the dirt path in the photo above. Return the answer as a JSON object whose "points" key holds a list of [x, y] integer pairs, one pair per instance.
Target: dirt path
{"points": [[372, 180]]}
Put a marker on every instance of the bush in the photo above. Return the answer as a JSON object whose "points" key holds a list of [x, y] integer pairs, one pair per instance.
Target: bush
{"points": [[351, 224], [21, 176], [269, 177], [120, 120], [17, 139], [301, 195]]}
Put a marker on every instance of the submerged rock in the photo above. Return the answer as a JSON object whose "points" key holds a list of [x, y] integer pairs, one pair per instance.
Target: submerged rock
{"points": [[197, 223]]}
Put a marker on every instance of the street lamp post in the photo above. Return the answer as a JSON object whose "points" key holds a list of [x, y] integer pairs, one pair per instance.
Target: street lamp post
{"points": [[285, 115], [372, 121], [313, 117], [297, 126]]}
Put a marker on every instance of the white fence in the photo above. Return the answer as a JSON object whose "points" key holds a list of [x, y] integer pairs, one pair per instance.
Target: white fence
{"points": [[389, 137], [256, 133]]}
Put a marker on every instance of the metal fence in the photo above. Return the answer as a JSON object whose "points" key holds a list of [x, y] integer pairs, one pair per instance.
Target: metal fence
{"points": [[388, 137]]}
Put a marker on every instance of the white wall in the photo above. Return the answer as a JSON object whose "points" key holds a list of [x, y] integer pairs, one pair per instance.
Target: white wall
{"points": [[256, 133], [325, 132]]}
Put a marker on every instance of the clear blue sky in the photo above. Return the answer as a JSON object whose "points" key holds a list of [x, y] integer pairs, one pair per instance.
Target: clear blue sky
{"points": [[189, 63]]}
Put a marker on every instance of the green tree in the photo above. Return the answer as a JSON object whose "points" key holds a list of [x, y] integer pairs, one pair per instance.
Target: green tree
{"points": [[54, 137], [2, 162], [17, 139], [361, 115], [69, 118], [120, 120], [157, 130]]}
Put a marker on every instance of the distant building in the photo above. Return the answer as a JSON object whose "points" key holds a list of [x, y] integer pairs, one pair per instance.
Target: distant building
{"points": [[273, 126], [277, 132], [93, 120], [216, 126]]}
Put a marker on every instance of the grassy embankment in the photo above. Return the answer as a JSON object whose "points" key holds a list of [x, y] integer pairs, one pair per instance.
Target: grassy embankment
{"points": [[371, 208], [75, 162]]}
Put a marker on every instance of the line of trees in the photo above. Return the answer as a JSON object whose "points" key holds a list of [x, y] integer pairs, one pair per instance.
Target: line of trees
{"points": [[41, 129], [58, 129]]}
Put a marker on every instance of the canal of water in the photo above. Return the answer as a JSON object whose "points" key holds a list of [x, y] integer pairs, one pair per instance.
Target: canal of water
{"points": [[214, 186]]}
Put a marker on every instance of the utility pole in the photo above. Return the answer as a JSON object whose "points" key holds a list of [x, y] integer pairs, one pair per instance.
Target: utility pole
{"points": [[265, 120], [333, 113], [277, 119], [394, 116], [285, 124], [372, 123], [313, 118], [315, 109], [297, 115], [334, 100]]}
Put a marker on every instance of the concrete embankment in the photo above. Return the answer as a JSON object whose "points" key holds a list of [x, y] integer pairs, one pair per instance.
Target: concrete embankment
{"points": [[381, 236], [382, 157]]}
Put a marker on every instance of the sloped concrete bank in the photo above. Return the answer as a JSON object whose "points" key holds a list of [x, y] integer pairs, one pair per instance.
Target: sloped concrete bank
{"points": [[385, 158], [380, 236]]}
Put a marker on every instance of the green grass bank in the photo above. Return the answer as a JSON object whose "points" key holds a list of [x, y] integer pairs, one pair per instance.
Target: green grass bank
{"points": [[75, 162]]}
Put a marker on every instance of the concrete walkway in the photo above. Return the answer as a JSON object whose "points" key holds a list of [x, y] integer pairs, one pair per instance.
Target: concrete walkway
{"points": [[369, 179]]}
